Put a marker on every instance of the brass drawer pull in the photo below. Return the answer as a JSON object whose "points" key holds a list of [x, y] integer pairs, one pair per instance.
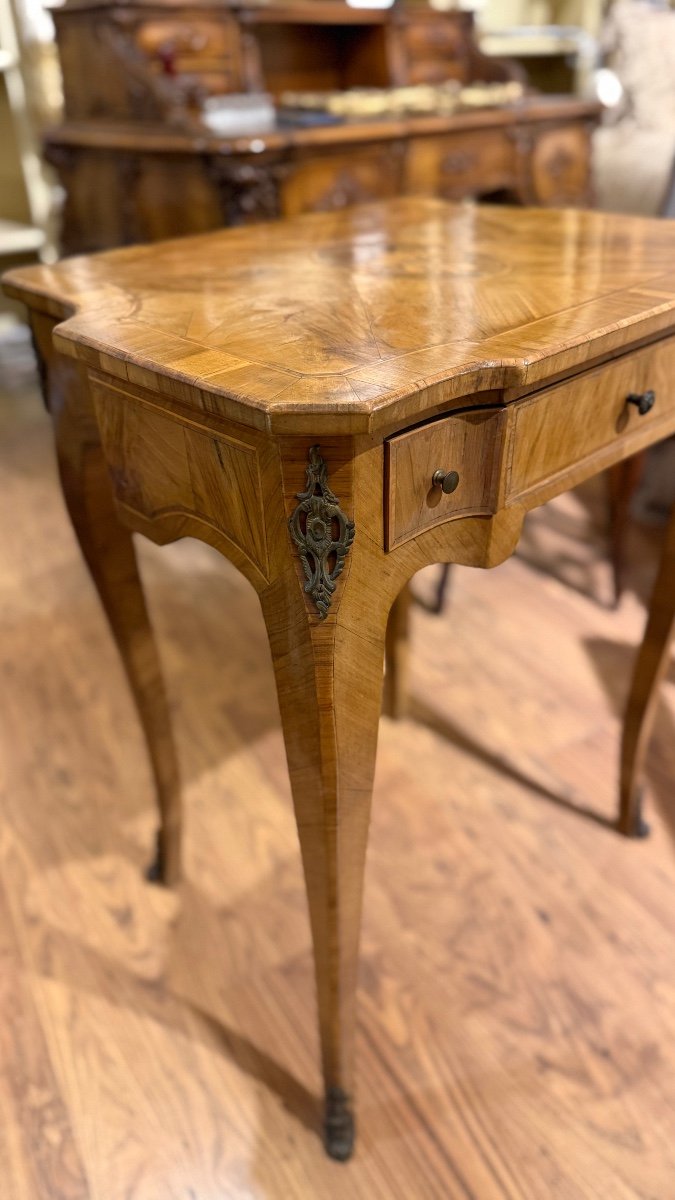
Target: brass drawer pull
{"points": [[446, 480], [644, 401]]}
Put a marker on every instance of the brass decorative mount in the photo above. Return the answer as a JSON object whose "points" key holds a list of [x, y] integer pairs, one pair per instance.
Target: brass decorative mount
{"points": [[322, 533]]}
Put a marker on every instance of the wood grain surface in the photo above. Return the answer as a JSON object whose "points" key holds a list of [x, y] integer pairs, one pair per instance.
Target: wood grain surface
{"points": [[367, 318], [517, 972]]}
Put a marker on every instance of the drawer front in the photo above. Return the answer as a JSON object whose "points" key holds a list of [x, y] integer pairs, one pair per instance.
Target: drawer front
{"points": [[461, 164], [324, 183], [118, 65], [469, 443], [589, 417], [201, 50], [433, 39], [429, 50], [528, 450]]}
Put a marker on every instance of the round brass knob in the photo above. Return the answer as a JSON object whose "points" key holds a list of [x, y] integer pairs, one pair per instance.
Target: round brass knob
{"points": [[446, 480], [644, 401]]}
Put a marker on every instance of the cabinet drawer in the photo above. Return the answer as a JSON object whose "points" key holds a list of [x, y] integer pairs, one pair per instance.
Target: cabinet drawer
{"points": [[585, 418], [202, 52], [530, 449], [469, 443], [461, 164], [559, 166], [433, 39], [324, 182]]}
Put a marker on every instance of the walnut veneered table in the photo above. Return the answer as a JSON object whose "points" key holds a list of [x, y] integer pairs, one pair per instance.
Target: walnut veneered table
{"points": [[335, 402]]}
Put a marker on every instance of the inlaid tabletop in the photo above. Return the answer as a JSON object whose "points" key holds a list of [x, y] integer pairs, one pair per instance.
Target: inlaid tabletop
{"points": [[372, 314]]}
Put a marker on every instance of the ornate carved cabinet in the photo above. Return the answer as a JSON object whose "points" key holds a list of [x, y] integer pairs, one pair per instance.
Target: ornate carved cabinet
{"points": [[138, 162]]}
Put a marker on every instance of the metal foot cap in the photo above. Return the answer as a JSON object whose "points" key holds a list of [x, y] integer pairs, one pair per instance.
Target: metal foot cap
{"points": [[338, 1125], [155, 870]]}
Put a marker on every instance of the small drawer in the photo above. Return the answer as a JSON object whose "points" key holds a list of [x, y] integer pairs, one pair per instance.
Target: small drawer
{"points": [[326, 182], [530, 449], [468, 443], [198, 53], [187, 45], [590, 417], [460, 164], [559, 166], [437, 39]]}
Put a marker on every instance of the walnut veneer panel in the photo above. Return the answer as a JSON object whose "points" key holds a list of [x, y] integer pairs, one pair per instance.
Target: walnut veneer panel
{"points": [[166, 466], [334, 180], [470, 443], [462, 164], [537, 152], [372, 317], [558, 164], [159, 64], [588, 414]]}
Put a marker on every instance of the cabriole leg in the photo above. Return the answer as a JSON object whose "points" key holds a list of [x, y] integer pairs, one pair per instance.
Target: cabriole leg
{"points": [[109, 553], [650, 667], [329, 682]]}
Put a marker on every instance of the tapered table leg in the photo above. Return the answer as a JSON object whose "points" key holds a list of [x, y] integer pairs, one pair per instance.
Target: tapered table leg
{"points": [[109, 553], [643, 698], [623, 480], [329, 682], [395, 697]]}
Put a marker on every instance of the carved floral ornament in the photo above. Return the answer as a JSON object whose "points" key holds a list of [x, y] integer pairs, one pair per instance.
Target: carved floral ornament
{"points": [[322, 533]]}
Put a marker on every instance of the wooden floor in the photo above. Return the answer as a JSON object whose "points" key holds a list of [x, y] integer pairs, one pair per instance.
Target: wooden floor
{"points": [[517, 1033]]}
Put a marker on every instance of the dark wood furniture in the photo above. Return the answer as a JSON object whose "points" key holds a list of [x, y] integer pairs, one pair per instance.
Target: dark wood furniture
{"points": [[138, 163], [334, 406]]}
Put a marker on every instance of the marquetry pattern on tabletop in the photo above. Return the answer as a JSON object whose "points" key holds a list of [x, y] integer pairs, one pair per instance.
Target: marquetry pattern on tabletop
{"points": [[363, 314]]}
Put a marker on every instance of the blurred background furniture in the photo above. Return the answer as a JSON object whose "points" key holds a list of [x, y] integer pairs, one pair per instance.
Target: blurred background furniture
{"points": [[634, 157], [555, 58], [139, 160]]}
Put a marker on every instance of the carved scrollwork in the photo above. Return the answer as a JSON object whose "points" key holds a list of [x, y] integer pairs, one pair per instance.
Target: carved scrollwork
{"points": [[322, 533], [346, 188], [459, 162], [560, 163], [248, 191]]}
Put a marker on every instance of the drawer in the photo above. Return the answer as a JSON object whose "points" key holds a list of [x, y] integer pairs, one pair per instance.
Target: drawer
{"points": [[587, 418], [469, 443], [435, 39], [325, 182], [460, 164], [528, 450], [559, 166], [205, 51]]}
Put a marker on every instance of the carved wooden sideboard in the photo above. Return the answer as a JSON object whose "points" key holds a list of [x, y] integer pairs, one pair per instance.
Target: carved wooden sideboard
{"points": [[137, 162]]}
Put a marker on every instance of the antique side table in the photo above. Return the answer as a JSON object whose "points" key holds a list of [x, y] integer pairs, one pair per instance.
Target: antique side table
{"points": [[335, 402]]}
